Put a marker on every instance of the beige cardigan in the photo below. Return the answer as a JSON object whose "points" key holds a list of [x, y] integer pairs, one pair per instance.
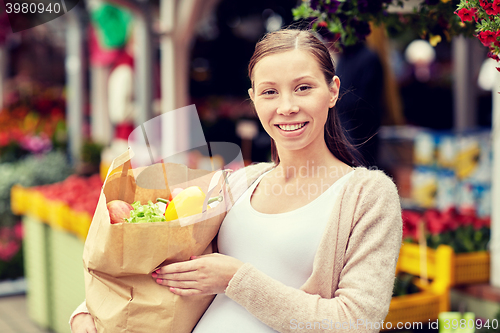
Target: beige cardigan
{"points": [[354, 268]]}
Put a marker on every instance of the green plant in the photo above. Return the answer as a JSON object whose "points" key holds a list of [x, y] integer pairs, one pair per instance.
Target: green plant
{"points": [[91, 152], [403, 285], [486, 14], [346, 23], [32, 170]]}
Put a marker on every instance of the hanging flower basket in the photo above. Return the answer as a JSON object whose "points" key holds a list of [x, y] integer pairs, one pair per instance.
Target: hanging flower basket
{"points": [[346, 23], [486, 16]]}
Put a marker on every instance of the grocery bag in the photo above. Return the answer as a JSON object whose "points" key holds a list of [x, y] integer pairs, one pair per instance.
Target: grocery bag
{"points": [[121, 294]]}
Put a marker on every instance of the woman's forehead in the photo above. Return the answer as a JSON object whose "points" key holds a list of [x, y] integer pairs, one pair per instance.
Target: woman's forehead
{"points": [[286, 64]]}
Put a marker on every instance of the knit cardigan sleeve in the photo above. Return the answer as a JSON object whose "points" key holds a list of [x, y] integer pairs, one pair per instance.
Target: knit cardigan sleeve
{"points": [[366, 275]]}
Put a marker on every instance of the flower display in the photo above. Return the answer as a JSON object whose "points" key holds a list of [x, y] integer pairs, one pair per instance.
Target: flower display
{"points": [[486, 16], [463, 231], [346, 23], [11, 254], [32, 125], [32, 170], [79, 193]]}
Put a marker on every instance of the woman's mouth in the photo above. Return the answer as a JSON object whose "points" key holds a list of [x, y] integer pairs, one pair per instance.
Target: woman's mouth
{"points": [[291, 127]]}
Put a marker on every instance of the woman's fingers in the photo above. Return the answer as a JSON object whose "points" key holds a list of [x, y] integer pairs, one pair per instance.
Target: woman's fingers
{"points": [[178, 267], [185, 292], [182, 276], [207, 274], [178, 284], [83, 323]]}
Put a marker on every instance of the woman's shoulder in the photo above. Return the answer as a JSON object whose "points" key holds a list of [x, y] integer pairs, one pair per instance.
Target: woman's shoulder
{"points": [[252, 171], [244, 177], [372, 178]]}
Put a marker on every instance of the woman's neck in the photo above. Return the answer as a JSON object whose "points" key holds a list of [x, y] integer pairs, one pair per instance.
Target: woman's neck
{"points": [[309, 163]]}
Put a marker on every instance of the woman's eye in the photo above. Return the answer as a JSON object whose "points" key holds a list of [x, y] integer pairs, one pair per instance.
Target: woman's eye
{"points": [[269, 92], [304, 88]]}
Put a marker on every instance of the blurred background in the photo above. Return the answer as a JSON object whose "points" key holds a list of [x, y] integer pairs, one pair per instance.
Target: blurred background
{"points": [[417, 102]]}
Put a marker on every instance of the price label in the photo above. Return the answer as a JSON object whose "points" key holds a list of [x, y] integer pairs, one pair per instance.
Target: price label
{"points": [[26, 14]]}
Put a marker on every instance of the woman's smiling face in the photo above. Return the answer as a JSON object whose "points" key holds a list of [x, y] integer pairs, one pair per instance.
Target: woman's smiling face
{"points": [[292, 98]]}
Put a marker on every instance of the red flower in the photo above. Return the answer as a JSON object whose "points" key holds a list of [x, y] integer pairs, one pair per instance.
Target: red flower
{"points": [[479, 223], [322, 24], [496, 7], [435, 221], [498, 68], [410, 224], [488, 7], [493, 56], [473, 12], [18, 231], [465, 14], [486, 222], [9, 249], [449, 217], [465, 219], [4, 139], [487, 37], [484, 3]]}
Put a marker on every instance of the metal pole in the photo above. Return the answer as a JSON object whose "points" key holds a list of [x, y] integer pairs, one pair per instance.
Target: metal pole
{"points": [[75, 83], [463, 88], [168, 91], [495, 189], [3, 67], [101, 128], [143, 66]]}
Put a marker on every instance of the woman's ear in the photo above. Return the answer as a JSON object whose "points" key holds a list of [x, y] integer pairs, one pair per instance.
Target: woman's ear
{"points": [[334, 91], [251, 94]]}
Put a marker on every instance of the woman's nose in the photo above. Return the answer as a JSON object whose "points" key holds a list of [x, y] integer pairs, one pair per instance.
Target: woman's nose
{"points": [[287, 106]]}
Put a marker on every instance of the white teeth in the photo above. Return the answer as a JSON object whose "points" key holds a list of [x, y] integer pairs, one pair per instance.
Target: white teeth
{"points": [[291, 127]]}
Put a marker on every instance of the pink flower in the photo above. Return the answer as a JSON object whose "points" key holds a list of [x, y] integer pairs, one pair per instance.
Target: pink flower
{"points": [[37, 144], [18, 231], [8, 250]]}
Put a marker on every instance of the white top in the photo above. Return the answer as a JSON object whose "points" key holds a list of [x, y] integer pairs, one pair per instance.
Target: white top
{"points": [[281, 245]]}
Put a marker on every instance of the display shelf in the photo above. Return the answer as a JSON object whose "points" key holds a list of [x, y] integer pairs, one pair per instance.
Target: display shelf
{"points": [[466, 268], [66, 283], [55, 213], [54, 273], [36, 263], [434, 296]]}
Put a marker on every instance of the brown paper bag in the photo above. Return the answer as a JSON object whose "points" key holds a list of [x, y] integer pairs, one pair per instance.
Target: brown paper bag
{"points": [[118, 259]]}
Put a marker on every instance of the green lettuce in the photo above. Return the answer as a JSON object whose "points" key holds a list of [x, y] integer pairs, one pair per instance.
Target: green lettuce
{"points": [[145, 213]]}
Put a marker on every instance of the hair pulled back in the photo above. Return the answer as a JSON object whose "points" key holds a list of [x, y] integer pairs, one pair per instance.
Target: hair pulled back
{"points": [[292, 39]]}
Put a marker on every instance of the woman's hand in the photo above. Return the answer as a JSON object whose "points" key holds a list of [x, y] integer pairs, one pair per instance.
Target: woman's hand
{"points": [[202, 275], [83, 323]]}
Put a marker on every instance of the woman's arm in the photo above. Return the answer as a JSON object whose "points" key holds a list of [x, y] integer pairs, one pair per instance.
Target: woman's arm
{"points": [[366, 279], [82, 308], [81, 321]]}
